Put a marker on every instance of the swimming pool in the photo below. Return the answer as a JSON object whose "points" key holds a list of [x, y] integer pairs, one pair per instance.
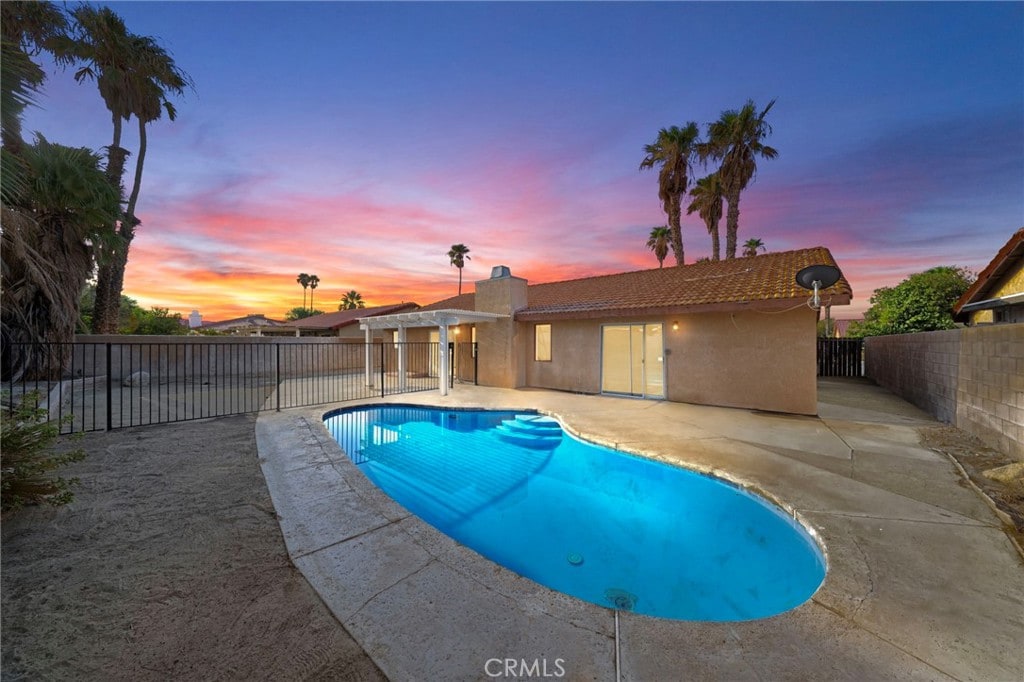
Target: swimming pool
{"points": [[613, 529]]}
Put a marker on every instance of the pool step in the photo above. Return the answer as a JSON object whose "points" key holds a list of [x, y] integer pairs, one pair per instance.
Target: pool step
{"points": [[531, 431]]}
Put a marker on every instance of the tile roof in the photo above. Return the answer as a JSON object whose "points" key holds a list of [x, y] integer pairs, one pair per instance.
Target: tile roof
{"points": [[764, 281], [343, 318], [1008, 256]]}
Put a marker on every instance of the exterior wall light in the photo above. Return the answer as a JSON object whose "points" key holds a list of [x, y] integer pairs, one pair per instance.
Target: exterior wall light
{"points": [[675, 326]]}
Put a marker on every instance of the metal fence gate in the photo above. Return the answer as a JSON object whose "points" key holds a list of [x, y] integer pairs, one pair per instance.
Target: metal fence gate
{"points": [[88, 386], [840, 357]]}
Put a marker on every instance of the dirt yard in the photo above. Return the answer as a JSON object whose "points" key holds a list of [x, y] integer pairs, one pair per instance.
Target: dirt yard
{"points": [[169, 564]]}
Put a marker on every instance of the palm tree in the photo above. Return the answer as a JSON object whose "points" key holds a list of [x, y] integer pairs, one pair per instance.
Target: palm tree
{"points": [[751, 246], [458, 255], [658, 243], [707, 203], [50, 234], [27, 28], [735, 140], [314, 282], [351, 300], [134, 75], [673, 150], [303, 279]]}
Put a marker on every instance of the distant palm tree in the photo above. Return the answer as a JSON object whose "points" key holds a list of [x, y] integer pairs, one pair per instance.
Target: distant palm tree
{"points": [[674, 151], [736, 140], [658, 243], [352, 300], [303, 279], [314, 282], [751, 246], [458, 255], [707, 203]]}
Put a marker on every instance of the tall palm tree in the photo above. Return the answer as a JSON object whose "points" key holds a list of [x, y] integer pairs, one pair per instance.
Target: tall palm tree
{"points": [[707, 203], [134, 76], [674, 151], [314, 282], [458, 255], [303, 279], [157, 76], [658, 242], [351, 300], [49, 238], [736, 140], [751, 247]]}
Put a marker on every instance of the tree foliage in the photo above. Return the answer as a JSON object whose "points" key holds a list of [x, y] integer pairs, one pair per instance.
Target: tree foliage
{"points": [[921, 303], [27, 458], [301, 313]]}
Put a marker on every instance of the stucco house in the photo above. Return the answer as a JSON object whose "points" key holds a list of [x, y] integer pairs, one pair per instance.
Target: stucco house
{"points": [[735, 333], [997, 296]]}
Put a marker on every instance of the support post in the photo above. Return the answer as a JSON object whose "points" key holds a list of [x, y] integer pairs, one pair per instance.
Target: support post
{"points": [[442, 351], [369, 357], [402, 360]]}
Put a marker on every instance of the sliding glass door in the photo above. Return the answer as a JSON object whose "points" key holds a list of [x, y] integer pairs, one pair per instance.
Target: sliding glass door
{"points": [[632, 360]]}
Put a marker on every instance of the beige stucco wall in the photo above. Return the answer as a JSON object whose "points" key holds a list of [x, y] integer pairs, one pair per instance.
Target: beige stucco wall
{"points": [[749, 360]]}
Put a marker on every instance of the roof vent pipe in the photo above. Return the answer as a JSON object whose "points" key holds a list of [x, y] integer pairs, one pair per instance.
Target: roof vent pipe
{"points": [[500, 272]]}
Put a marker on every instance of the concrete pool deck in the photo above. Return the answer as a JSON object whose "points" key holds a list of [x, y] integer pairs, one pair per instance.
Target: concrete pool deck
{"points": [[922, 581]]}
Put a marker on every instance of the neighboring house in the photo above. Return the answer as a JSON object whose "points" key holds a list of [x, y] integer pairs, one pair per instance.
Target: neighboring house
{"points": [[998, 294], [344, 323], [250, 325], [735, 333]]}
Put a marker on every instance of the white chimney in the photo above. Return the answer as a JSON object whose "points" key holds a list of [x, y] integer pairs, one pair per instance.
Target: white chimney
{"points": [[195, 320]]}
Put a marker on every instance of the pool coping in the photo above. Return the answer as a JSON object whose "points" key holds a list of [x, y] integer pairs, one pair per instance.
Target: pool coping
{"points": [[424, 607]]}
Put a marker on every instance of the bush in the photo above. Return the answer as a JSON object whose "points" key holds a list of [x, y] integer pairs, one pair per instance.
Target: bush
{"points": [[27, 458]]}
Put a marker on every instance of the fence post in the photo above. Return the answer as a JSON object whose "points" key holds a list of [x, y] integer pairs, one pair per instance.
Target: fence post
{"points": [[476, 364], [382, 389], [110, 390], [277, 375]]}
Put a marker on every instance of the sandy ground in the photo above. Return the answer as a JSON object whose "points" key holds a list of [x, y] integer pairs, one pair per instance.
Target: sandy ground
{"points": [[169, 564]]}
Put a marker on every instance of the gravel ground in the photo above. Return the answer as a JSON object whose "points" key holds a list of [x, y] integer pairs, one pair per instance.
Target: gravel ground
{"points": [[168, 564]]}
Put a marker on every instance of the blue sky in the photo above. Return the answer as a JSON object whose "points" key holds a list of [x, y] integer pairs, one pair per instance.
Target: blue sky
{"points": [[358, 141]]}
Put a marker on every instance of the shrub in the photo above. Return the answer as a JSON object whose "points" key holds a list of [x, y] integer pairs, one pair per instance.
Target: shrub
{"points": [[27, 458]]}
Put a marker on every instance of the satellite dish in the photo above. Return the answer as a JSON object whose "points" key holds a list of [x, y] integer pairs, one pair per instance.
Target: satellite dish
{"points": [[818, 277], [823, 276]]}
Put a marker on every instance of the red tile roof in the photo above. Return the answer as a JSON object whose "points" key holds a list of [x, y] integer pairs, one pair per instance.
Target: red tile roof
{"points": [[343, 318], [763, 281], [1008, 256]]}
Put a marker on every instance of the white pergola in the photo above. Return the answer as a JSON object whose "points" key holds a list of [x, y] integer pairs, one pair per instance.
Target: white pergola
{"points": [[442, 319]]}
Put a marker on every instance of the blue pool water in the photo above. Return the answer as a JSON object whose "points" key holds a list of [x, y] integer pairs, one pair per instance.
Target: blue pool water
{"points": [[610, 528]]}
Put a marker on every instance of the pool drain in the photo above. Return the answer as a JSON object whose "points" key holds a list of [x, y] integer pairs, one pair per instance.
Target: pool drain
{"points": [[620, 599], [574, 558]]}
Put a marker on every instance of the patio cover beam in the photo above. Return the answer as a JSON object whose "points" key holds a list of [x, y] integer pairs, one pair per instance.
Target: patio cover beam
{"points": [[442, 319]]}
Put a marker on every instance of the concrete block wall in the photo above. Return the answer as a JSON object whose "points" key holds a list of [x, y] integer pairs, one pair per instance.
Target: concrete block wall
{"points": [[972, 378], [990, 393]]}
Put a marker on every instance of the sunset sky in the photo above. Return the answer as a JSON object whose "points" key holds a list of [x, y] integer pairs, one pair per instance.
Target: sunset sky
{"points": [[360, 141]]}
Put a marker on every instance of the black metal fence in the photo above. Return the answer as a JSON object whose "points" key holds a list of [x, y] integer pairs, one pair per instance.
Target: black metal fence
{"points": [[840, 357], [89, 386]]}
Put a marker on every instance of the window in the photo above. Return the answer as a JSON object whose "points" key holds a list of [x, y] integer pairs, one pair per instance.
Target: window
{"points": [[542, 343]]}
